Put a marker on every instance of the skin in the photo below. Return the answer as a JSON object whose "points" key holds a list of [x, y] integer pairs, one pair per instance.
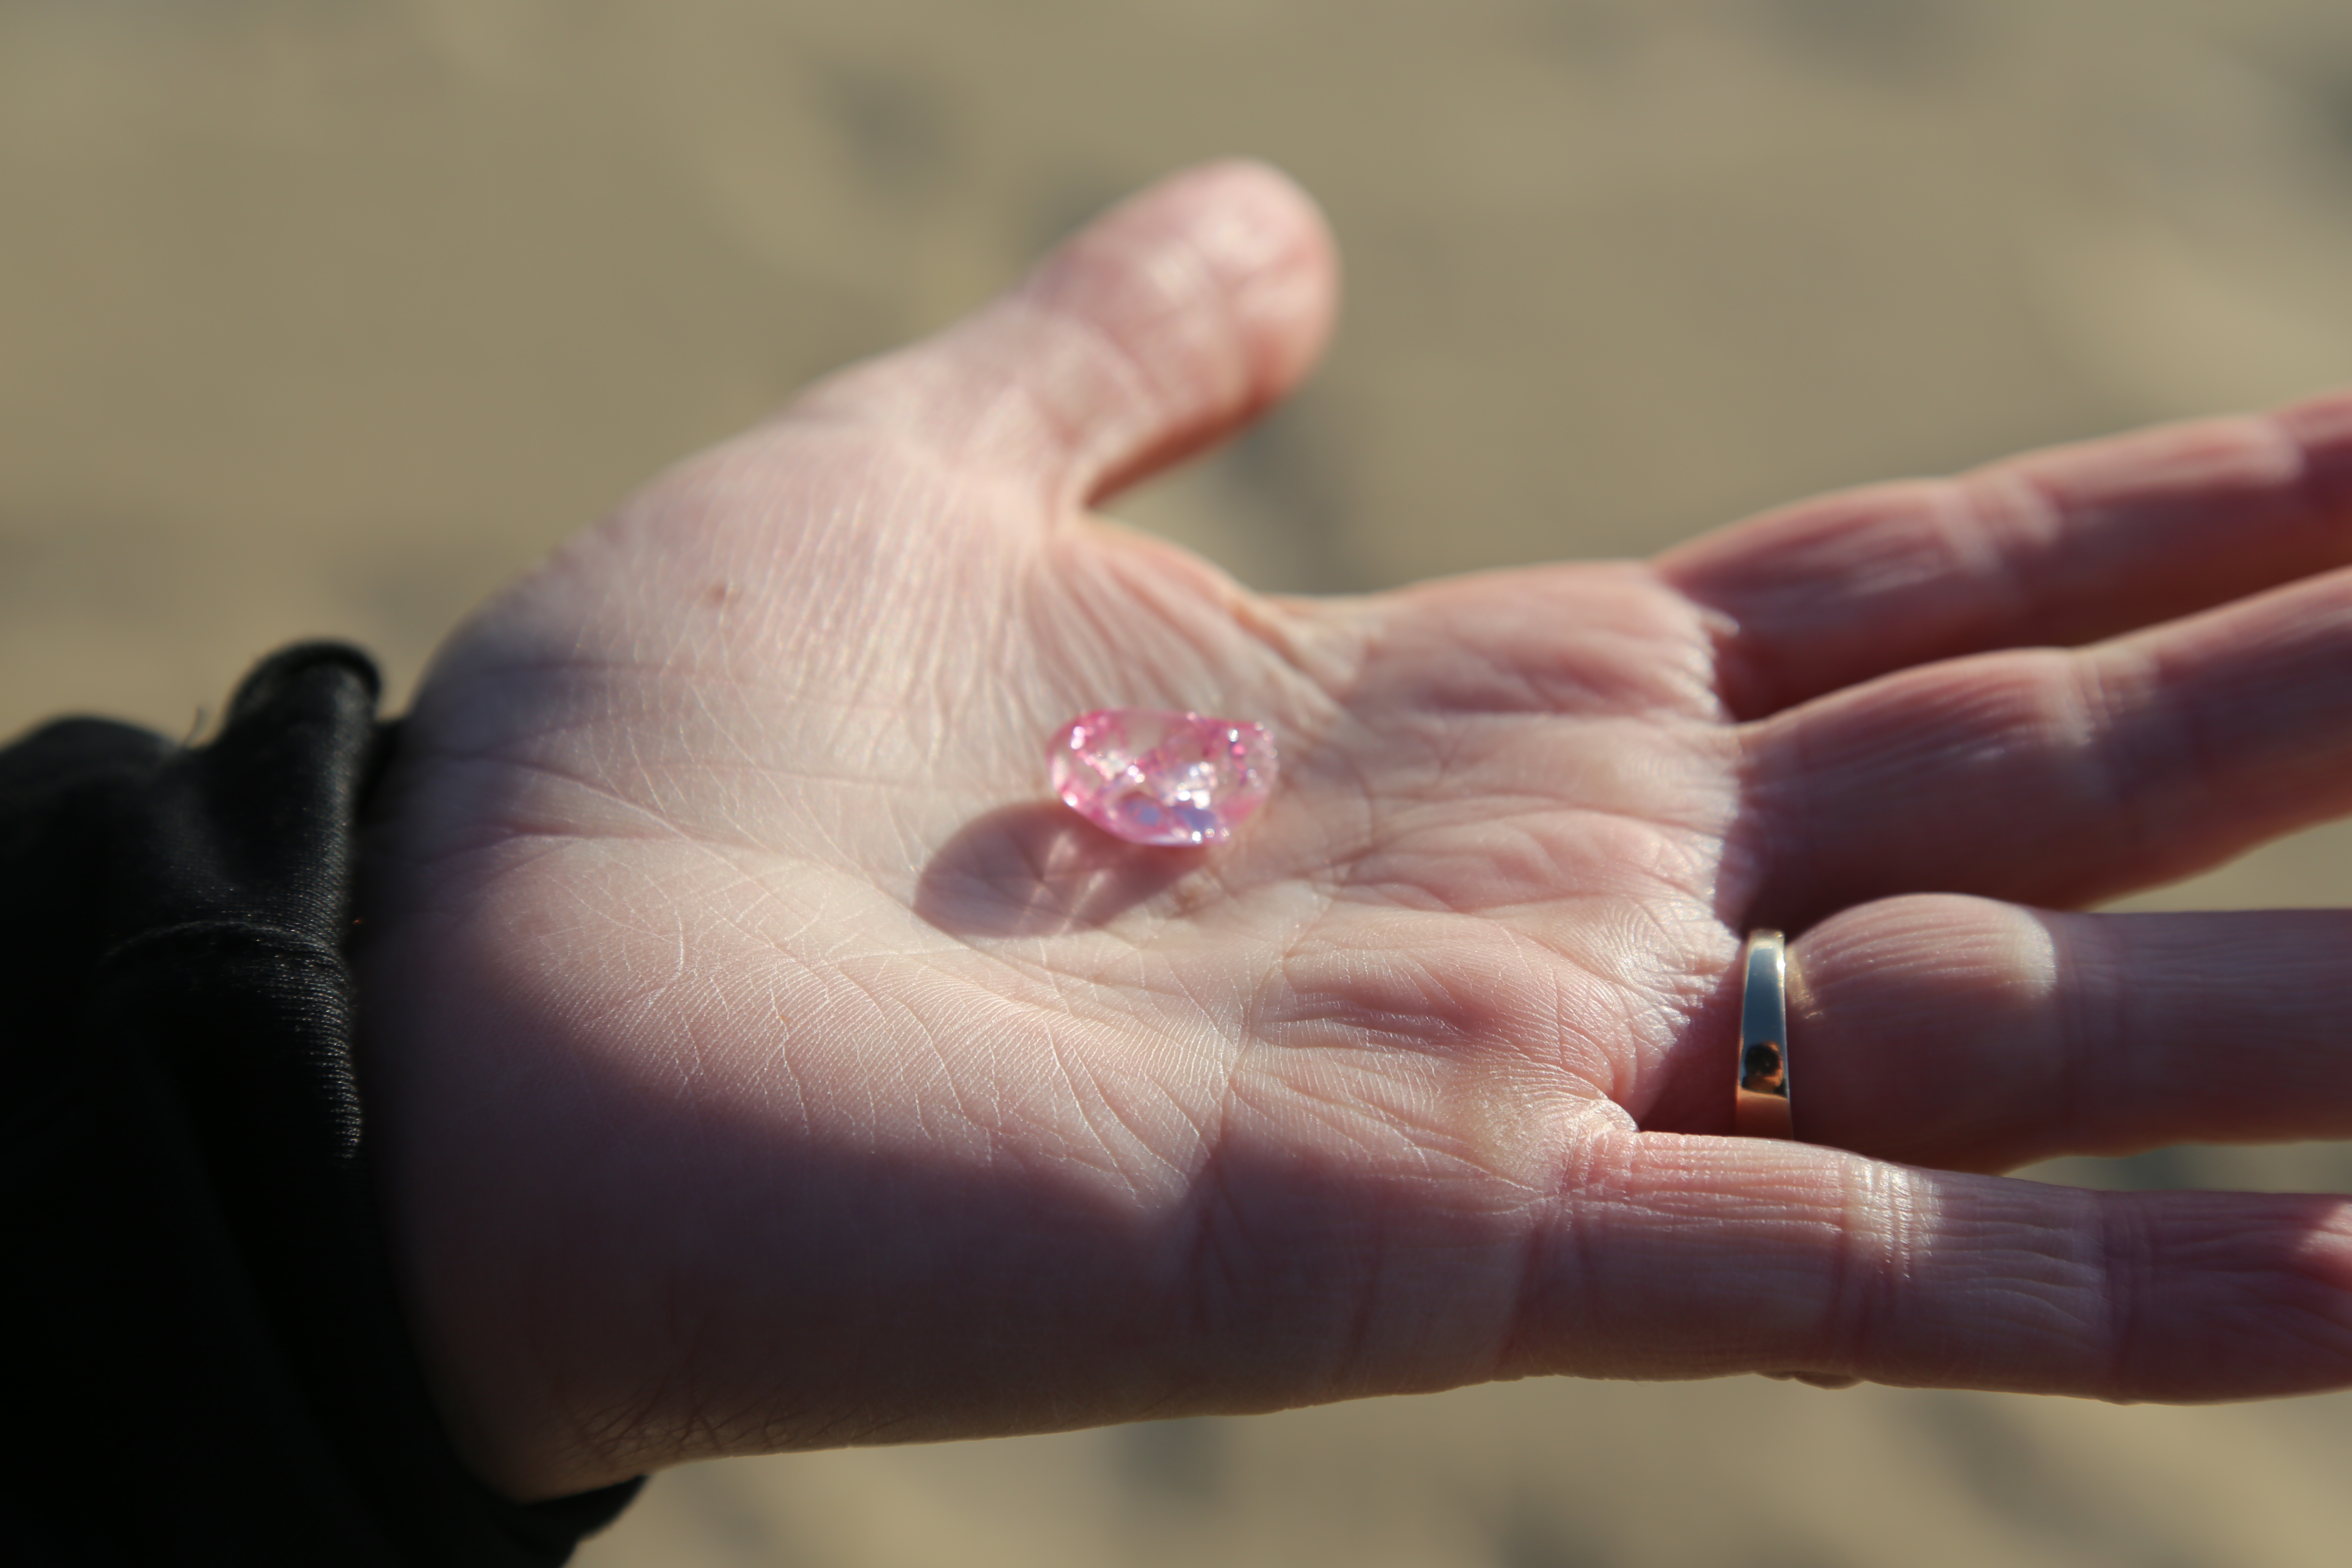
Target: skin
{"points": [[761, 1060]]}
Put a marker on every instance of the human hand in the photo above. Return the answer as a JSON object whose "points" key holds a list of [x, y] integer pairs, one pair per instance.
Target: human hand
{"points": [[758, 1060]]}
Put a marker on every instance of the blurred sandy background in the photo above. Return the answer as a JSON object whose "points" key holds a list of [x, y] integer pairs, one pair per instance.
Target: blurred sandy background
{"points": [[318, 317]]}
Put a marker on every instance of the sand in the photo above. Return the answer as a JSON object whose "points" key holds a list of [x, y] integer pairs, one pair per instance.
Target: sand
{"points": [[327, 319]]}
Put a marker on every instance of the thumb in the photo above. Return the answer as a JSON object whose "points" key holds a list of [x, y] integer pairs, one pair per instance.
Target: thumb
{"points": [[1161, 327]]}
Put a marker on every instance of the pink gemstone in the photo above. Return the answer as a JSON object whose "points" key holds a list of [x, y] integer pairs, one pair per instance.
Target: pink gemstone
{"points": [[1153, 777]]}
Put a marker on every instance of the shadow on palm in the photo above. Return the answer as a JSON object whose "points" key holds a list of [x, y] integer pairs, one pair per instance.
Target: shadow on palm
{"points": [[1036, 870]]}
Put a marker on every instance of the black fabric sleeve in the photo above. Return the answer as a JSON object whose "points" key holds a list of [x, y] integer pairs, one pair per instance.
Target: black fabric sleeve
{"points": [[208, 1357]]}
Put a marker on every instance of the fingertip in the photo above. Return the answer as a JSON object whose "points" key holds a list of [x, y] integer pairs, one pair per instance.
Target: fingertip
{"points": [[1269, 250], [1158, 328], [1214, 290]]}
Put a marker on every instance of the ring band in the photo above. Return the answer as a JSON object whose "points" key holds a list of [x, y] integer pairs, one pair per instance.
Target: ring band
{"points": [[1759, 1102]]}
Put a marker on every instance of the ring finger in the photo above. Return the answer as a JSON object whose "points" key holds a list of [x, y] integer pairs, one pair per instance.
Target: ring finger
{"points": [[1970, 1035]]}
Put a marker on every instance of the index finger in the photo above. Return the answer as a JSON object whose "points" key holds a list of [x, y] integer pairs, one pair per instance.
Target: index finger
{"points": [[2063, 546]]}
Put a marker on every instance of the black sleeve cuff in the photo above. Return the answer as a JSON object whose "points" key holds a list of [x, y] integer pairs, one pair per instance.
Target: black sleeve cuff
{"points": [[209, 1351]]}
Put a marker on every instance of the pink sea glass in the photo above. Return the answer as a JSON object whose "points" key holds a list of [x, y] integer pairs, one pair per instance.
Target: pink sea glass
{"points": [[1154, 776]]}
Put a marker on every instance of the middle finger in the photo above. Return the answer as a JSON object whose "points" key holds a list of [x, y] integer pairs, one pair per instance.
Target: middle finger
{"points": [[2061, 777]]}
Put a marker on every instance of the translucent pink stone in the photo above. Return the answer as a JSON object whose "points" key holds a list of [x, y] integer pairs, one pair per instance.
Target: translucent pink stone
{"points": [[1153, 777]]}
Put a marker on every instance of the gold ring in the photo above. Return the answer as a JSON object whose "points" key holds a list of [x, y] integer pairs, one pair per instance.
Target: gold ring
{"points": [[1759, 1101]]}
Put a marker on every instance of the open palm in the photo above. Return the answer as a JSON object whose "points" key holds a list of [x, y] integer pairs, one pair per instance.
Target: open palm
{"points": [[763, 1059]]}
